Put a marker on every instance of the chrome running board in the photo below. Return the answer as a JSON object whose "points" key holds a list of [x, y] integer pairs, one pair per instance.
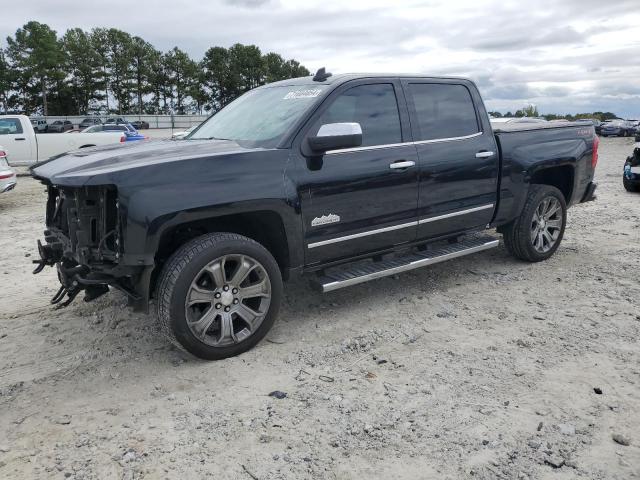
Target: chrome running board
{"points": [[347, 275]]}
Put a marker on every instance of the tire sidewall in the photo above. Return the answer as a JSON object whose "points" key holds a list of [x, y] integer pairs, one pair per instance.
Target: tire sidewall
{"points": [[178, 321], [543, 192]]}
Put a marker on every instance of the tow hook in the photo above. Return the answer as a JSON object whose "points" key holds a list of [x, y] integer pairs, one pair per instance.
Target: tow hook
{"points": [[47, 257]]}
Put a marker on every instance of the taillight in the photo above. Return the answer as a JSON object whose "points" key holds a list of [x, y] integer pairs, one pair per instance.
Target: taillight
{"points": [[123, 139], [3, 153], [594, 154]]}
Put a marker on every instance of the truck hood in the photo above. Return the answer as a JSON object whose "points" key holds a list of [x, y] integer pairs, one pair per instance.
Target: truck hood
{"points": [[78, 167]]}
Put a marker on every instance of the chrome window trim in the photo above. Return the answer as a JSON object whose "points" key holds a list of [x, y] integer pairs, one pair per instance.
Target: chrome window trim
{"points": [[370, 147], [392, 145], [361, 234], [451, 139], [398, 227], [454, 214]]}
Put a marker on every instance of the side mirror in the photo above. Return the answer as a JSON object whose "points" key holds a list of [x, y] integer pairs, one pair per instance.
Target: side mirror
{"points": [[334, 136]]}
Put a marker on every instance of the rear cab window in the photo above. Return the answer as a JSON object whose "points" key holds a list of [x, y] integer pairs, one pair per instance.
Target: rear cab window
{"points": [[10, 126], [442, 111]]}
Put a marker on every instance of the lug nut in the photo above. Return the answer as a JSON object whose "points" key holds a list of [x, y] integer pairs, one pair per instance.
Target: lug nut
{"points": [[225, 288], [218, 306], [226, 309], [234, 291], [235, 301], [216, 295]]}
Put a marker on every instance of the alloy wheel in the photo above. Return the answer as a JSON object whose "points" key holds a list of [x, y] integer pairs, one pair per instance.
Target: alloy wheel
{"points": [[546, 224], [228, 300]]}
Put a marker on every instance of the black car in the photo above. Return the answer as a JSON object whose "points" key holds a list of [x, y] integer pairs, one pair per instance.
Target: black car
{"points": [[140, 124], [631, 172], [89, 122], [342, 179], [115, 121], [60, 126]]}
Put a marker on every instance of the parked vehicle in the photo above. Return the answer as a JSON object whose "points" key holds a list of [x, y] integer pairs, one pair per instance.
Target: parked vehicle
{"points": [[89, 121], [341, 178], [183, 134], [7, 175], [131, 133], [60, 126], [617, 128], [115, 121], [140, 125], [39, 125], [631, 171], [25, 147]]}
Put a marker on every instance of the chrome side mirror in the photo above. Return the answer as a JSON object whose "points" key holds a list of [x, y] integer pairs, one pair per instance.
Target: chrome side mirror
{"points": [[334, 136]]}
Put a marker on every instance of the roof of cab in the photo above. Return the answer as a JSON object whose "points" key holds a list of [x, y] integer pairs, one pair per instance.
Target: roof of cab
{"points": [[345, 77]]}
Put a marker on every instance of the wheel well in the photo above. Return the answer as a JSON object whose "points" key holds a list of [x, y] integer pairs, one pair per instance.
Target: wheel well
{"points": [[559, 177], [265, 227]]}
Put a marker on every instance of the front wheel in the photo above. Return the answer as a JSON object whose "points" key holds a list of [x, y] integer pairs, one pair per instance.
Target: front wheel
{"points": [[219, 295], [536, 234], [630, 186]]}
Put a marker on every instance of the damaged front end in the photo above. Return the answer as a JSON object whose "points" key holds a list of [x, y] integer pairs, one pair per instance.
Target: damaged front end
{"points": [[83, 240]]}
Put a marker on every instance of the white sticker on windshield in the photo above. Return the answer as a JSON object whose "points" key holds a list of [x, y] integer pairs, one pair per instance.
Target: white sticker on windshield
{"points": [[308, 93]]}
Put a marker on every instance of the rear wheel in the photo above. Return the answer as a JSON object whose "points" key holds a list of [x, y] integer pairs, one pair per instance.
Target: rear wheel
{"points": [[219, 295], [536, 234]]}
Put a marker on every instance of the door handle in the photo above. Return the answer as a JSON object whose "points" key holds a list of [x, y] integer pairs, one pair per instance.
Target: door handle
{"points": [[485, 154], [19, 139], [402, 164]]}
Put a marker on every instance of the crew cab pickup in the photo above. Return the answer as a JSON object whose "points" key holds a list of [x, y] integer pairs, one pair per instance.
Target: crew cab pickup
{"points": [[343, 178], [25, 147]]}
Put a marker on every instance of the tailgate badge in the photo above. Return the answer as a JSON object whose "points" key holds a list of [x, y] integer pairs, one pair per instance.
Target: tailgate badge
{"points": [[325, 219]]}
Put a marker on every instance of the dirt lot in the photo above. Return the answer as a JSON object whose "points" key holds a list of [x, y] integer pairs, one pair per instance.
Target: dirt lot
{"points": [[484, 367]]}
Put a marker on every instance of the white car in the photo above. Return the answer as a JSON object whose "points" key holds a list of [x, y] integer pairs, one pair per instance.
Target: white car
{"points": [[7, 175], [181, 135], [18, 136]]}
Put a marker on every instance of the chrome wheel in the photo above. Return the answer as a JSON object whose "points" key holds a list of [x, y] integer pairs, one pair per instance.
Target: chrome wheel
{"points": [[546, 224], [228, 300]]}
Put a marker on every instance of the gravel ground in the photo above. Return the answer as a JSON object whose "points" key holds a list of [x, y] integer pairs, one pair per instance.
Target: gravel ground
{"points": [[483, 367]]}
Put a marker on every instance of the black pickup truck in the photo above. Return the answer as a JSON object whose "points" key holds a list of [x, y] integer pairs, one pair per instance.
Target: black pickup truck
{"points": [[343, 178]]}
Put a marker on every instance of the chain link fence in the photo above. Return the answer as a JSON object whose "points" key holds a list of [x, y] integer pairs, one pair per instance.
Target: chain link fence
{"points": [[154, 121]]}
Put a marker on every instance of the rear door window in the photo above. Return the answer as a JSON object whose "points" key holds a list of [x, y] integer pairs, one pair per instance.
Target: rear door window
{"points": [[442, 111]]}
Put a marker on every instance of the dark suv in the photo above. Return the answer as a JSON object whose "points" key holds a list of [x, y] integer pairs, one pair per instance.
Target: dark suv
{"points": [[342, 179]]}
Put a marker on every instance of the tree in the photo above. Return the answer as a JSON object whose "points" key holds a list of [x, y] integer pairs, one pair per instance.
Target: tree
{"points": [[36, 56], [181, 73], [530, 111], [142, 53], [5, 82], [84, 67], [157, 82], [116, 50]]}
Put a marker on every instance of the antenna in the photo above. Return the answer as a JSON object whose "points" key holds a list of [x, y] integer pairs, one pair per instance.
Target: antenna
{"points": [[321, 75]]}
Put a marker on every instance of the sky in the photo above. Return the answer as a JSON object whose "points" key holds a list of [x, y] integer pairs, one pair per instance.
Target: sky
{"points": [[565, 56]]}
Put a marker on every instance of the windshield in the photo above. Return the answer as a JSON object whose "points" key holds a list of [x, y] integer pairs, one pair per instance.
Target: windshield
{"points": [[260, 117]]}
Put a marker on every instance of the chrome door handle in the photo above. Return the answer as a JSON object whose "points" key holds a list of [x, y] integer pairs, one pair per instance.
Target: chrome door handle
{"points": [[402, 164], [485, 154]]}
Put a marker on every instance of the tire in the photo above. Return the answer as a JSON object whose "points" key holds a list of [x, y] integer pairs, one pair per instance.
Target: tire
{"points": [[197, 295], [630, 186], [519, 234]]}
